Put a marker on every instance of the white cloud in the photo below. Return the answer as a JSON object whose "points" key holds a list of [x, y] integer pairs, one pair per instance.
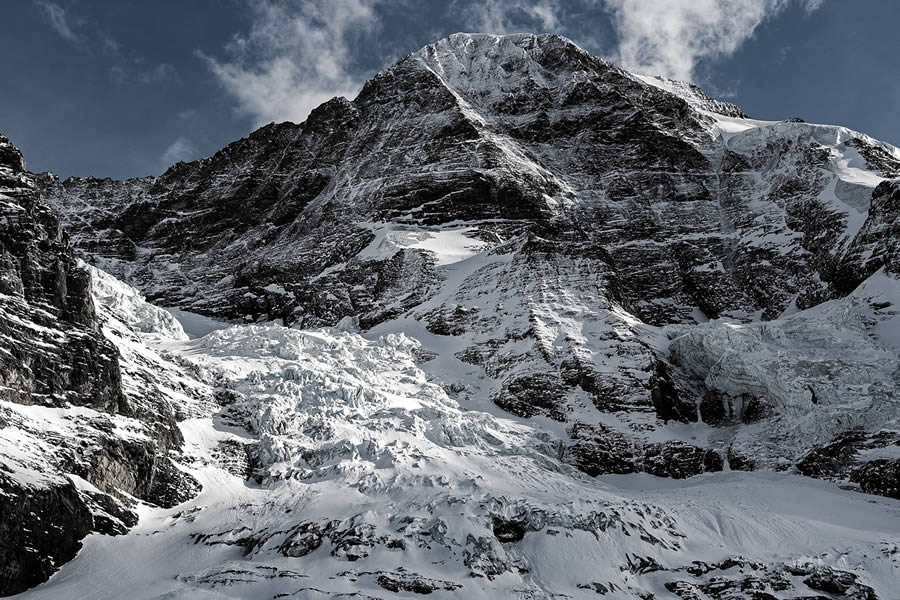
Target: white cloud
{"points": [[56, 15], [812, 5], [299, 53], [672, 37], [512, 16], [181, 149], [135, 71], [111, 46], [157, 74], [296, 56]]}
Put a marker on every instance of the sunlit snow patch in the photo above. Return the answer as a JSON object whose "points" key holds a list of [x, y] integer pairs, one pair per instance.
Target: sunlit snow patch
{"points": [[448, 245]]}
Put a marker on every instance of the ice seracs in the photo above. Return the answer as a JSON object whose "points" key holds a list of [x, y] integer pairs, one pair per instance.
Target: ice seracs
{"points": [[822, 371], [367, 478]]}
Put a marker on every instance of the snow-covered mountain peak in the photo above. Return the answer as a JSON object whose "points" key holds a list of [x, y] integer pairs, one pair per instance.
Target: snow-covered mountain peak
{"points": [[466, 53], [506, 268], [500, 72]]}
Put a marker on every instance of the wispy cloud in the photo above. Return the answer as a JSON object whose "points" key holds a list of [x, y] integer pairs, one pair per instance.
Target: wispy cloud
{"points": [[505, 16], [811, 6], [135, 71], [672, 38], [300, 53], [295, 56], [157, 74], [585, 21], [662, 37], [58, 20], [182, 149], [111, 46]]}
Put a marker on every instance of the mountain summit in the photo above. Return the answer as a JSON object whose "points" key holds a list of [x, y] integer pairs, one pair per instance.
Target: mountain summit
{"points": [[442, 335]]}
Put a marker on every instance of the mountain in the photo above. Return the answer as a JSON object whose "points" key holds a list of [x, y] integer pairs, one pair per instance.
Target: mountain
{"points": [[445, 333]]}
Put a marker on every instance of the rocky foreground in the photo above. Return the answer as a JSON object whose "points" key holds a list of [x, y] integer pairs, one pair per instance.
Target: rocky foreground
{"points": [[511, 323]]}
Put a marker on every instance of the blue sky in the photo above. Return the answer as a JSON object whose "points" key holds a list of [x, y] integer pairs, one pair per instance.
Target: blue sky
{"points": [[125, 88]]}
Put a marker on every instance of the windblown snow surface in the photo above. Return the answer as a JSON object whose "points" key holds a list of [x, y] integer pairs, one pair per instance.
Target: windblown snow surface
{"points": [[371, 482]]}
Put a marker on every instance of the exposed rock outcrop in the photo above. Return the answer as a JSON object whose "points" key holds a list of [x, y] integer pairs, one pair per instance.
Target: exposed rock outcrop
{"points": [[68, 409]]}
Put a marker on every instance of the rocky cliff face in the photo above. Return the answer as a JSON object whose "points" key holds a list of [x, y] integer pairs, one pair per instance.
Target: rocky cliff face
{"points": [[73, 428], [42, 286], [530, 131]]}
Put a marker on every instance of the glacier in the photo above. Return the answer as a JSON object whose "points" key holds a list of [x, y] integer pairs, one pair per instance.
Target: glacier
{"points": [[381, 482]]}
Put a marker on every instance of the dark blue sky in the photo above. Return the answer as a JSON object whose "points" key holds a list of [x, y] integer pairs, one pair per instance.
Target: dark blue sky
{"points": [[125, 88]]}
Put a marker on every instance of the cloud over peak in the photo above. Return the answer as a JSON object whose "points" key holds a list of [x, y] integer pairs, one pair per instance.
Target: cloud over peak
{"points": [[295, 56], [673, 37], [299, 53], [514, 16], [182, 149]]}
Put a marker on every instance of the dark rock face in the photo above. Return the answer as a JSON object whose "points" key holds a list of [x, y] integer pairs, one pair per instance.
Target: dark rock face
{"points": [[54, 355], [40, 530], [350, 540], [739, 578], [42, 286], [880, 477], [679, 460], [305, 538], [717, 409], [410, 582], [847, 458], [141, 470], [597, 451], [836, 458], [508, 531], [841, 584], [877, 244]]}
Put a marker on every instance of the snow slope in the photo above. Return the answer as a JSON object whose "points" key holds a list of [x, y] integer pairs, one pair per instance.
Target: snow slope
{"points": [[365, 478], [448, 245]]}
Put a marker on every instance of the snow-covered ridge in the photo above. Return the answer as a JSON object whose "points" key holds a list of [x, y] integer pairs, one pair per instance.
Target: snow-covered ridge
{"points": [[694, 96]]}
